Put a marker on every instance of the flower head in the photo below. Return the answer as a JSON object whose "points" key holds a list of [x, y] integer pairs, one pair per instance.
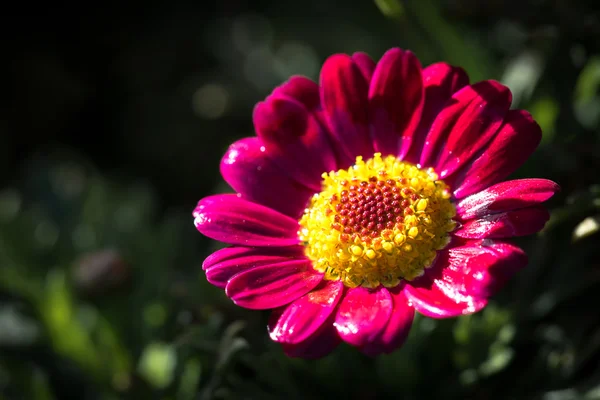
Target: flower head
{"points": [[375, 193]]}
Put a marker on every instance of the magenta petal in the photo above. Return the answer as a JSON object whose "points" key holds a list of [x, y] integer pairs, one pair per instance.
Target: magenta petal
{"points": [[440, 82], [506, 196], [224, 264], [468, 122], [463, 277], [520, 222], [443, 303], [363, 315], [294, 140], [344, 99], [246, 167], [231, 219], [320, 344], [397, 329], [273, 285], [301, 89], [434, 297], [303, 317], [513, 144], [395, 101], [365, 64], [481, 268]]}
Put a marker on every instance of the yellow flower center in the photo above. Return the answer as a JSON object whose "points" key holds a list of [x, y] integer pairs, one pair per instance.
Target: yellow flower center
{"points": [[378, 222]]}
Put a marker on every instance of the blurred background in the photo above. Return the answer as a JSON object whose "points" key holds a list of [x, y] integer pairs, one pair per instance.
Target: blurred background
{"points": [[112, 125]]}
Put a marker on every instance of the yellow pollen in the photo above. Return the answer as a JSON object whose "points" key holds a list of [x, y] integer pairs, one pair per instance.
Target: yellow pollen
{"points": [[377, 223], [413, 232]]}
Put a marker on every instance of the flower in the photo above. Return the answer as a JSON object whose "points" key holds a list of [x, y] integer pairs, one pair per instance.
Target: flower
{"points": [[375, 193]]}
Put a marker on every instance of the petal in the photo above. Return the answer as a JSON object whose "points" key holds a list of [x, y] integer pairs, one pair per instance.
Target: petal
{"points": [[435, 297], [246, 167], [231, 219], [518, 137], [273, 285], [300, 89], [365, 64], [480, 268], [224, 264], [440, 82], [363, 315], [395, 101], [397, 329], [468, 122], [303, 317], [320, 344], [525, 221], [344, 92], [506, 196], [294, 140]]}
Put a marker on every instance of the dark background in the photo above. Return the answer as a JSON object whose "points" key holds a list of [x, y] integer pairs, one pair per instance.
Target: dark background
{"points": [[112, 124]]}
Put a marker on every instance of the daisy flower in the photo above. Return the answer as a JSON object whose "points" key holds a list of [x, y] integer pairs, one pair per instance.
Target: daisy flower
{"points": [[374, 193]]}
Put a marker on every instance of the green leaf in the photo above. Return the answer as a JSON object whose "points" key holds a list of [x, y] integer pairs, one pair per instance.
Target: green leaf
{"points": [[157, 364], [391, 8]]}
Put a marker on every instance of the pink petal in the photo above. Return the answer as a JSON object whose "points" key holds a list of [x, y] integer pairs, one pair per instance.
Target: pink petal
{"points": [[344, 92], [365, 64], [294, 140], [440, 82], [506, 196], [229, 218], [224, 264], [363, 315], [513, 144], [433, 296], [467, 123], [273, 285], [320, 344], [303, 317], [395, 101], [301, 89], [397, 329], [246, 167], [480, 268], [525, 221]]}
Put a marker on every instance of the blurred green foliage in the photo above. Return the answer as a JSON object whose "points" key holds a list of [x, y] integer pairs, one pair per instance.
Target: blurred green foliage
{"points": [[109, 141]]}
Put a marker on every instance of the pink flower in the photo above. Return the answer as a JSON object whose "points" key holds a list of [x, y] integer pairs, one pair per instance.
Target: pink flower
{"points": [[376, 193]]}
